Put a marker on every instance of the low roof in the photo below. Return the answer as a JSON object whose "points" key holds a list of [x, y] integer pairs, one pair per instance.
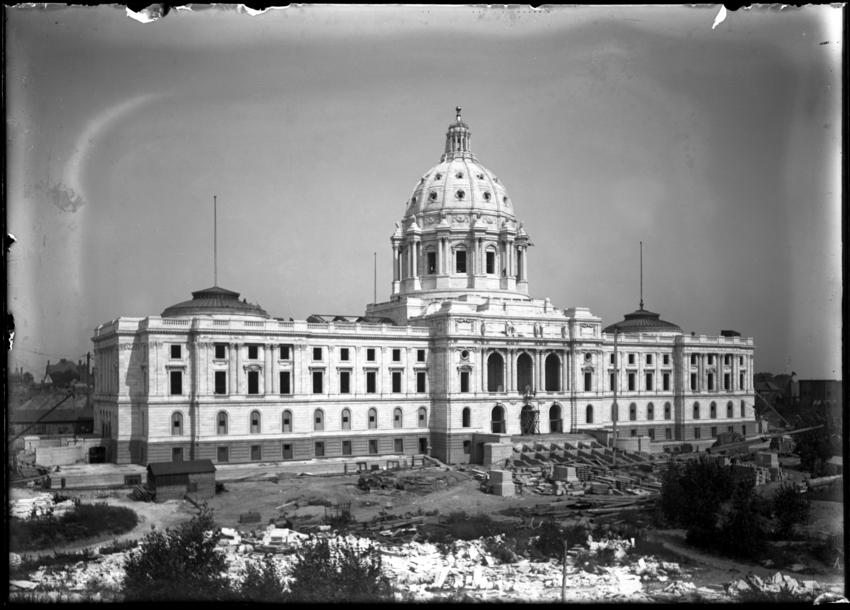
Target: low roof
{"points": [[28, 416], [190, 467]]}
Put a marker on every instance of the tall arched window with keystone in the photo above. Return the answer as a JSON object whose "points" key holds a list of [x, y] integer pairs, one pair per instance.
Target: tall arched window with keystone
{"points": [[177, 424], [423, 417], [221, 421], [397, 418], [345, 420], [466, 417], [255, 422], [286, 421], [373, 419], [318, 420]]}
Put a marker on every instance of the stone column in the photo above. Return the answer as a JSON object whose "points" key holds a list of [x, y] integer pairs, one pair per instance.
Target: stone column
{"points": [[233, 384], [395, 263]]}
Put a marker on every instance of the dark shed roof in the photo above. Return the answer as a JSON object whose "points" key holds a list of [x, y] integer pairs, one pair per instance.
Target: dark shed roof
{"points": [[191, 467]]}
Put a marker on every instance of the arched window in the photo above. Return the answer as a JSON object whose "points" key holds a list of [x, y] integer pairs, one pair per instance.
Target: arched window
{"points": [[730, 410], [743, 409], [397, 418], [345, 419], [588, 414], [712, 410], [177, 424], [286, 421], [490, 253], [318, 420], [460, 260], [650, 411], [632, 412], [524, 373], [696, 410], [423, 417], [555, 423], [255, 422], [667, 410], [221, 422], [497, 420], [465, 417], [373, 419], [553, 373], [495, 373]]}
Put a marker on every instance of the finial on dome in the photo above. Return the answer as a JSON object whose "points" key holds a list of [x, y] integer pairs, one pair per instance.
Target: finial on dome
{"points": [[457, 110]]}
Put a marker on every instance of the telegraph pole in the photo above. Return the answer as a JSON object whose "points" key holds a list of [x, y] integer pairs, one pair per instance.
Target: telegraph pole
{"points": [[616, 410]]}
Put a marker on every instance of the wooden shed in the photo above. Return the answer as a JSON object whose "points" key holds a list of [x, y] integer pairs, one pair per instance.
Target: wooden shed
{"points": [[172, 480]]}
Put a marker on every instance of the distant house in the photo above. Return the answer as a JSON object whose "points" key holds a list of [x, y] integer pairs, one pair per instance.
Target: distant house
{"points": [[173, 480], [59, 421], [63, 373]]}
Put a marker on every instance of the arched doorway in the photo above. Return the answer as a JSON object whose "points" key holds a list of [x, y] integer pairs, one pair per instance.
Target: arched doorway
{"points": [[556, 424], [524, 373], [528, 420], [553, 373], [495, 373]]}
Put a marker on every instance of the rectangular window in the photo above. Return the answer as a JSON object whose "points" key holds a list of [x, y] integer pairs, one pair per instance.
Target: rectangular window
{"points": [[370, 354], [649, 359], [467, 447], [612, 379], [464, 381], [373, 446], [223, 455], [693, 359], [612, 359], [346, 447], [253, 352], [317, 382], [460, 261], [490, 262], [710, 382], [420, 382], [344, 382], [710, 359], [693, 382], [284, 352], [176, 382], [220, 351], [396, 355], [665, 359], [714, 432], [668, 434], [222, 423], [631, 358], [741, 382], [175, 352], [727, 359], [317, 353], [649, 382], [287, 451], [420, 355], [744, 430], [743, 409], [370, 382], [256, 453], [588, 381], [665, 381], [177, 454], [285, 387], [253, 382], [631, 382], [726, 381], [398, 445], [343, 354], [396, 382], [221, 382], [319, 450], [651, 434], [431, 258], [696, 433], [632, 432]]}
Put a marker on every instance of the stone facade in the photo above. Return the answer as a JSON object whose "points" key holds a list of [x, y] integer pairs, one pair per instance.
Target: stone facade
{"points": [[459, 353]]}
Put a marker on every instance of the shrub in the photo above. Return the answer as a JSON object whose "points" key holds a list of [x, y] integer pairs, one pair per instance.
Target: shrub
{"points": [[503, 551], [344, 573], [261, 582], [117, 546], [86, 521], [790, 508], [178, 564], [552, 538]]}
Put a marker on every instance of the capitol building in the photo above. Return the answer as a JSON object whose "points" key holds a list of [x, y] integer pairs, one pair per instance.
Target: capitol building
{"points": [[459, 362]]}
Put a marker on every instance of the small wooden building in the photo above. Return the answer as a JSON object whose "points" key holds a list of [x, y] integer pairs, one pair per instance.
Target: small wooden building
{"points": [[173, 480]]}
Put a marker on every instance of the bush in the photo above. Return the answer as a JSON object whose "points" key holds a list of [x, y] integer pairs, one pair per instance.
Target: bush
{"points": [[86, 521], [344, 573], [262, 582], [790, 508], [503, 551], [178, 564], [552, 538], [117, 546]]}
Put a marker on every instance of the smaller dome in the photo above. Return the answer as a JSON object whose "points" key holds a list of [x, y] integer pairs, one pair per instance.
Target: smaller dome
{"points": [[643, 321], [214, 301]]}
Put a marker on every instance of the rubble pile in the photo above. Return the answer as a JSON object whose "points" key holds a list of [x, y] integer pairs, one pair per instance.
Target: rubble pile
{"points": [[416, 481], [782, 584], [38, 506]]}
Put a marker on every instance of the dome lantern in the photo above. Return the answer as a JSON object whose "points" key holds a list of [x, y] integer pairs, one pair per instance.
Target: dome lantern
{"points": [[457, 140]]}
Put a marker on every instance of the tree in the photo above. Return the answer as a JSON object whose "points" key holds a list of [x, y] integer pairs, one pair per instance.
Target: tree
{"points": [[790, 508], [740, 530], [178, 564], [262, 582], [342, 573]]}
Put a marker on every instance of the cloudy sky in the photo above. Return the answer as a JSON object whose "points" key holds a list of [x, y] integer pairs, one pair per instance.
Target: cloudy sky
{"points": [[717, 147]]}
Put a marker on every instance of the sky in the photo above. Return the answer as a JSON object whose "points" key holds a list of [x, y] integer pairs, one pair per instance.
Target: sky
{"points": [[714, 141]]}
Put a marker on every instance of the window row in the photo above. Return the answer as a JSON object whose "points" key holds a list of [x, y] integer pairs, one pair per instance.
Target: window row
{"points": [[319, 449], [255, 421], [317, 382], [220, 351], [710, 385], [709, 359]]}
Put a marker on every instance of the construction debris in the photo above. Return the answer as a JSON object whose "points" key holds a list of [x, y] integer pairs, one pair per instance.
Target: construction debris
{"points": [[40, 505], [782, 584]]}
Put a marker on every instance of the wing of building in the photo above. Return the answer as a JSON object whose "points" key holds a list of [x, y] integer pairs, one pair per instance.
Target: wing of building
{"points": [[459, 357]]}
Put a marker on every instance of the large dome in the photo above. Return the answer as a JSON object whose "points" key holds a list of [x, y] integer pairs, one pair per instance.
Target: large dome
{"points": [[643, 321], [214, 301]]}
